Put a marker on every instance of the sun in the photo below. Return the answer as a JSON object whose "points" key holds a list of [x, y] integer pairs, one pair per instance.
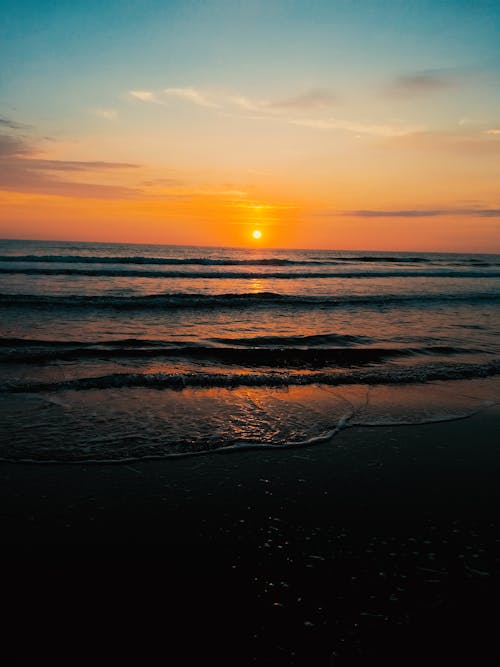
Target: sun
{"points": [[256, 234]]}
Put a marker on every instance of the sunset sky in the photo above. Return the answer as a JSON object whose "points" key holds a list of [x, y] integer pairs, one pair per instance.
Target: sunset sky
{"points": [[342, 124]]}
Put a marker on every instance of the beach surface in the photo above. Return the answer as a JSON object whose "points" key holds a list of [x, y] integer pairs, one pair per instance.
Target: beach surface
{"points": [[379, 546]]}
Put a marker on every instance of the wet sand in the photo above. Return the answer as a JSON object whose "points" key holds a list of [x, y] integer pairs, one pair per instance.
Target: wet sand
{"points": [[379, 547]]}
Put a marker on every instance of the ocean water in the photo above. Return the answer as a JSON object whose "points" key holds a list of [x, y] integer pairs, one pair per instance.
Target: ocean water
{"points": [[113, 352]]}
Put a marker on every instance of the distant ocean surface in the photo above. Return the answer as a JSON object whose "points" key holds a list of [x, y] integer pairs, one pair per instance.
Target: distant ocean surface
{"points": [[114, 352]]}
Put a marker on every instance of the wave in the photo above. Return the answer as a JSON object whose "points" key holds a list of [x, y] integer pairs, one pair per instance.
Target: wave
{"points": [[125, 342], [179, 381], [161, 261], [224, 261], [239, 300], [245, 275], [202, 261], [309, 341], [271, 357], [251, 341]]}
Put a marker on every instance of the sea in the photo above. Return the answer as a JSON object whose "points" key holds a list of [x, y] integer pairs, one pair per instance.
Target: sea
{"points": [[121, 352]]}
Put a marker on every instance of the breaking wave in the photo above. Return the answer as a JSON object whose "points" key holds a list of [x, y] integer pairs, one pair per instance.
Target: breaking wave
{"points": [[265, 261], [243, 275], [179, 381], [239, 300], [272, 357]]}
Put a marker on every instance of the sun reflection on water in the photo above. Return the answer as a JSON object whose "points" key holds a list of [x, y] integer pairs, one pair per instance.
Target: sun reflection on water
{"points": [[256, 285]]}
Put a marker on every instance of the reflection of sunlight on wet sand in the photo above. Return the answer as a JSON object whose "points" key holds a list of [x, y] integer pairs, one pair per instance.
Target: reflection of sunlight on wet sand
{"points": [[143, 422]]}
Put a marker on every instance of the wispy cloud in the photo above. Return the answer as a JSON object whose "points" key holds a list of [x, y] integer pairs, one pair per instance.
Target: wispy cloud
{"points": [[186, 94], [465, 143], [312, 99], [279, 110], [13, 146], [9, 124], [191, 95], [419, 84], [308, 100], [144, 96], [216, 192], [465, 122], [162, 182], [78, 165], [107, 114], [493, 131], [247, 103], [419, 213], [22, 170], [315, 101], [356, 127]]}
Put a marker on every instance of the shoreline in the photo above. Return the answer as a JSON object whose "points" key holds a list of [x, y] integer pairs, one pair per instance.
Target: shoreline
{"points": [[350, 452], [245, 446]]}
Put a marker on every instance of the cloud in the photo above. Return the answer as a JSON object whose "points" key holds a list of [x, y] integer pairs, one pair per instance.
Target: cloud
{"points": [[224, 193], [11, 124], [188, 94], [280, 110], [24, 168], [191, 95], [108, 114], [78, 165], [355, 127], [13, 146], [309, 100], [20, 178], [21, 170], [493, 131], [313, 99], [419, 84], [465, 143], [248, 104], [162, 182], [144, 96], [420, 213]]}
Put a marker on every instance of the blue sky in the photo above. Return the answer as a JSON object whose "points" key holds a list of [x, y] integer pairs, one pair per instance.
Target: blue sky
{"points": [[99, 47]]}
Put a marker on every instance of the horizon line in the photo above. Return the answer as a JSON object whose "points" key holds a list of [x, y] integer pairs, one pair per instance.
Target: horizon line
{"points": [[248, 247]]}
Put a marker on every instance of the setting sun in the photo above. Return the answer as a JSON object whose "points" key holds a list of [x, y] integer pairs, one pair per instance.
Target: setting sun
{"points": [[257, 234]]}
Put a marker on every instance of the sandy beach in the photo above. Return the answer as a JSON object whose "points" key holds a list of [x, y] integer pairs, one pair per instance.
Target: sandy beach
{"points": [[380, 546]]}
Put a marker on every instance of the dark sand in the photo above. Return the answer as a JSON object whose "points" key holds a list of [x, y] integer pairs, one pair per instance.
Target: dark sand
{"points": [[379, 547]]}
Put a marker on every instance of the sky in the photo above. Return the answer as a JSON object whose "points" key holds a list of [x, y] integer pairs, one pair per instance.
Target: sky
{"points": [[340, 124]]}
